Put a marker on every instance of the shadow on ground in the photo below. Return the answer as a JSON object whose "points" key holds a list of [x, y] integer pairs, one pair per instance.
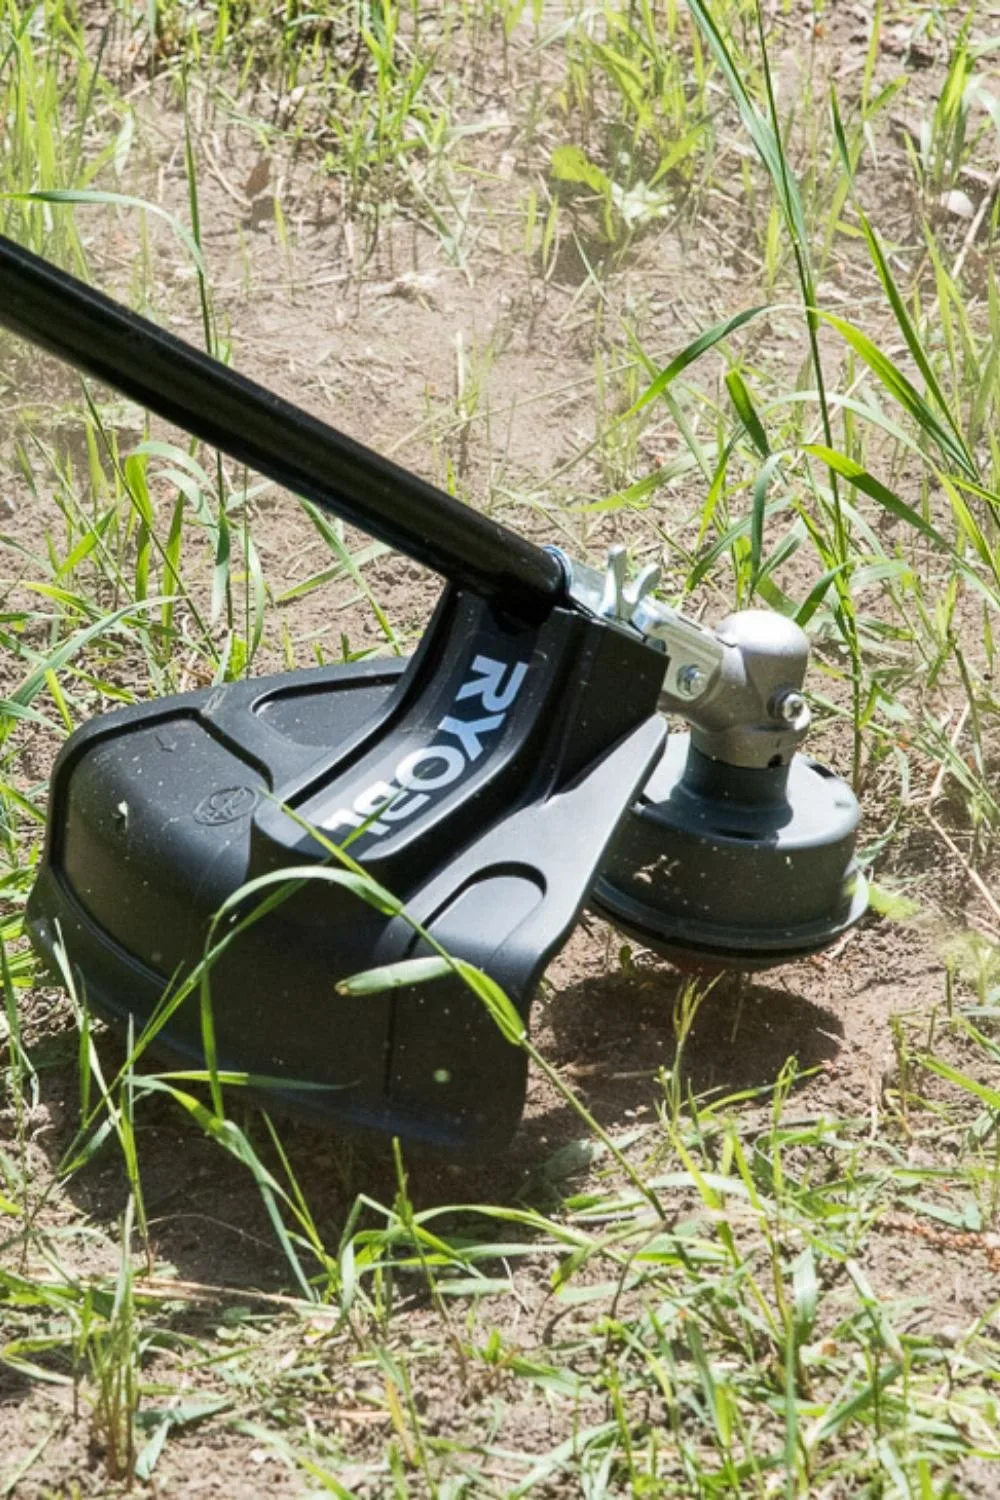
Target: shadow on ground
{"points": [[611, 1036], [608, 1037]]}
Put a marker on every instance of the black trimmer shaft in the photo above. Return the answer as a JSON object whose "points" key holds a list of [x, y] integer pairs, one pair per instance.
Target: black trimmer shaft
{"points": [[196, 392]]}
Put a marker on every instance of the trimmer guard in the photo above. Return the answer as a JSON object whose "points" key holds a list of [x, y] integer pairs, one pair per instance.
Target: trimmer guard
{"points": [[481, 783]]}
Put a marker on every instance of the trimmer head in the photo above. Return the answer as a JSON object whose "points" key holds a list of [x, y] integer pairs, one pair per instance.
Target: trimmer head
{"points": [[722, 867], [739, 854], [511, 771]]}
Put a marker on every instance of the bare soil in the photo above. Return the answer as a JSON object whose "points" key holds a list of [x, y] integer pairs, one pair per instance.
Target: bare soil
{"points": [[376, 348]]}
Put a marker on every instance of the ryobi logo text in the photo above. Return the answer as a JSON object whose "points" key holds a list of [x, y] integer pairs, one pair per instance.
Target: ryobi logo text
{"points": [[458, 742]]}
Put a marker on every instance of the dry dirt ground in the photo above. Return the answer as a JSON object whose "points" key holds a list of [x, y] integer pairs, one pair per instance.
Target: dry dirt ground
{"points": [[479, 374]]}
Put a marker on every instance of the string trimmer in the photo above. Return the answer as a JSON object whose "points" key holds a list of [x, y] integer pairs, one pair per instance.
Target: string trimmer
{"points": [[516, 769]]}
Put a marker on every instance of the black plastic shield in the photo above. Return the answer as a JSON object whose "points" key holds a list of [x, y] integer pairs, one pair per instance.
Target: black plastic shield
{"points": [[480, 784]]}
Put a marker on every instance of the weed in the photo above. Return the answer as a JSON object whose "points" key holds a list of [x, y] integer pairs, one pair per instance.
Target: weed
{"points": [[749, 340]]}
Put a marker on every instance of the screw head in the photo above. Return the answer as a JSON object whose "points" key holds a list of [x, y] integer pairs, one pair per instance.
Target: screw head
{"points": [[689, 680], [790, 708]]}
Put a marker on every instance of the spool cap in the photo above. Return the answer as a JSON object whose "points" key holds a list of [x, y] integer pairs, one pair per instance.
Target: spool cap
{"points": [[725, 866]]}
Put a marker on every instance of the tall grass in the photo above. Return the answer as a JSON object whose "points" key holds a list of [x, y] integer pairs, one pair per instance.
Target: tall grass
{"points": [[716, 1314]]}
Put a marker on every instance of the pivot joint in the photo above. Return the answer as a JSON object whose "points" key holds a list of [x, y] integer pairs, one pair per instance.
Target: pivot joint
{"points": [[739, 686]]}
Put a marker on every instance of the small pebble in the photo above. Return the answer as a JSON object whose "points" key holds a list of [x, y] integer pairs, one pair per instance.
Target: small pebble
{"points": [[958, 203]]}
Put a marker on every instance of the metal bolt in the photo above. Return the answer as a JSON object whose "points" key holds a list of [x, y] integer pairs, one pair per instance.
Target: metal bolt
{"points": [[790, 707], [689, 680]]}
